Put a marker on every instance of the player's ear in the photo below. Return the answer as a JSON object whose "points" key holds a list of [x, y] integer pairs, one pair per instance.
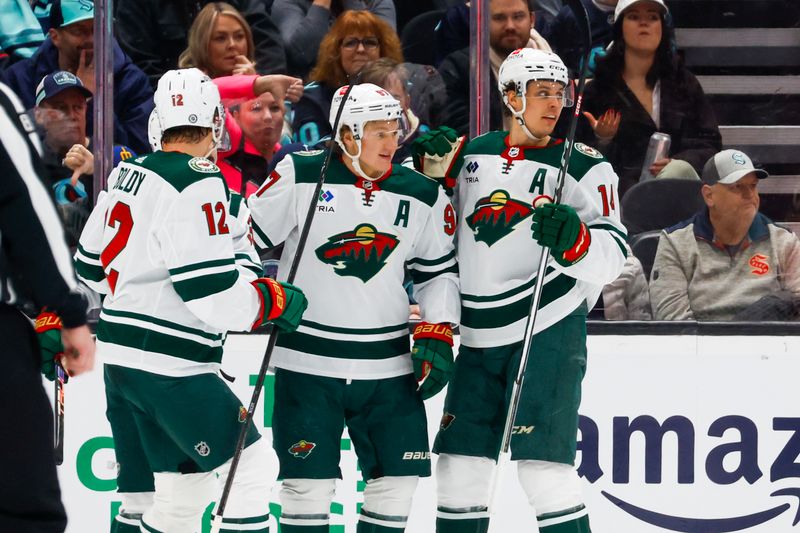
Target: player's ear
{"points": [[514, 99], [349, 141]]}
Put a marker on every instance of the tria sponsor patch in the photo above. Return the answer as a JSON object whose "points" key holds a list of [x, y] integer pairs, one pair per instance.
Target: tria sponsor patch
{"points": [[759, 264], [302, 448]]}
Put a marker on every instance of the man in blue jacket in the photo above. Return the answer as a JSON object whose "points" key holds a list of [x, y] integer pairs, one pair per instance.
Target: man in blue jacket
{"points": [[70, 46]]}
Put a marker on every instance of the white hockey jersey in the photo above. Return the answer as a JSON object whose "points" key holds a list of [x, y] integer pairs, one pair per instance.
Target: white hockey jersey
{"points": [[362, 237], [498, 258], [173, 253]]}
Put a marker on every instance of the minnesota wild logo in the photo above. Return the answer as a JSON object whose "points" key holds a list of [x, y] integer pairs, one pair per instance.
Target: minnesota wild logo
{"points": [[495, 216], [360, 253]]}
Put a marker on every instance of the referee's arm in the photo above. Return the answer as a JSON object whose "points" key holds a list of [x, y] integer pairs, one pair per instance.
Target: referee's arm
{"points": [[31, 235]]}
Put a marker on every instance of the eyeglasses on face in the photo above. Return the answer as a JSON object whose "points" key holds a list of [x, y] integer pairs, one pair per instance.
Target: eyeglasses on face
{"points": [[369, 43]]}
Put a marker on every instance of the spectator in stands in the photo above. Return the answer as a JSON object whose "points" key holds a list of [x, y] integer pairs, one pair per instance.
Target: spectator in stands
{"points": [[61, 102], [401, 80], [220, 42], [154, 32], [565, 34], [355, 39], [627, 297], [728, 262], [303, 24], [511, 26], [20, 32], [70, 47], [254, 122], [641, 87]]}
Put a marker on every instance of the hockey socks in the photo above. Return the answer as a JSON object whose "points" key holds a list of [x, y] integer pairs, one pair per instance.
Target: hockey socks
{"points": [[462, 521], [378, 523], [575, 520]]}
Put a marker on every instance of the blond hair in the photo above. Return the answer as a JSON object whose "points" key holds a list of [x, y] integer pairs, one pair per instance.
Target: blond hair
{"points": [[196, 53]]}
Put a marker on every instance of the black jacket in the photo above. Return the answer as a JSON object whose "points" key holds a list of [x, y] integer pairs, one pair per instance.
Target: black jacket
{"points": [[35, 264], [686, 115], [154, 32], [456, 74], [565, 37]]}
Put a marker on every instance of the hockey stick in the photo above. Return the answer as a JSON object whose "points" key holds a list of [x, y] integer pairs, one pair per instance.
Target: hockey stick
{"points": [[61, 378], [273, 333], [516, 389]]}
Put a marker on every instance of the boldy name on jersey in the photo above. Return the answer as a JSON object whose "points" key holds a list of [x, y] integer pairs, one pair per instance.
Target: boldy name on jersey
{"points": [[129, 180]]}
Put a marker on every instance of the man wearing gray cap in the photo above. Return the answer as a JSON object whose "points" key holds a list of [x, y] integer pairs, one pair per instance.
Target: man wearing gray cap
{"points": [[727, 262]]}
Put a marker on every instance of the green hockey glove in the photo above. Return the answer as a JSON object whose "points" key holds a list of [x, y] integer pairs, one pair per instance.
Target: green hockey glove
{"points": [[282, 304], [435, 152], [558, 227], [432, 356], [48, 330]]}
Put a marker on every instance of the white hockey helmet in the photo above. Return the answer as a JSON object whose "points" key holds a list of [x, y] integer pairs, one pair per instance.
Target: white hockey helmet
{"points": [[365, 103], [185, 97], [529, 64]]}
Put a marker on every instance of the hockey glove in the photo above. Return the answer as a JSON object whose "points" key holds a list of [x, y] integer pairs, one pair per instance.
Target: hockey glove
{"points": [[282, 304], [558, 227], [48, 330], [435, 153], [432, 356]]}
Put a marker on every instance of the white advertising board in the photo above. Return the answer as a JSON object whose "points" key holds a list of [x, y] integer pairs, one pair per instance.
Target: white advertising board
{"points": [[691, 434]]}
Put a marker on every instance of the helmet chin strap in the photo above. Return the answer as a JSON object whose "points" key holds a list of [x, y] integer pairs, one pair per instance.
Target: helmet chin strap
{"points": [[354, 160], [211, 154], [520, 120]]}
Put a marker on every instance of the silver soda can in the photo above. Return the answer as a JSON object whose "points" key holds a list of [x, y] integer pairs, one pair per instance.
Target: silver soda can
{"points": [[658, 148]]}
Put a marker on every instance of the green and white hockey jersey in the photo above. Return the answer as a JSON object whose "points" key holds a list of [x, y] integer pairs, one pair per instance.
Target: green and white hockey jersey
{"points": [[363, 235], [173, 252], [498, 258]]}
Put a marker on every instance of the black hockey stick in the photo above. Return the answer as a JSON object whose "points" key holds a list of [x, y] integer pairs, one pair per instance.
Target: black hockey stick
{"points": [[273, 333], [582, 17], [58, 408]]}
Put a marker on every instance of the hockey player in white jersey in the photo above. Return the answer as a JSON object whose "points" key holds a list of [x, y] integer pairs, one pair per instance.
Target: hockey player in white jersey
{"points": [[172, 253], [499, 178], [349, 362]]}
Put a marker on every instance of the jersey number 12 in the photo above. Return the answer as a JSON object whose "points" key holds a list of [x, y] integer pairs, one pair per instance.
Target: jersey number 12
{"points": [[120, 218]]}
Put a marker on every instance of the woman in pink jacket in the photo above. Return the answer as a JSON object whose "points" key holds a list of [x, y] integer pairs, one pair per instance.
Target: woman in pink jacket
{"points": [[254, 122]]}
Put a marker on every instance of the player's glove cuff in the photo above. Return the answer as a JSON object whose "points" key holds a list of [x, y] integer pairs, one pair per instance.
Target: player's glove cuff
{"points": [[48, 331], [578, 250], [282, 304], [272, 298], [426, 330]]}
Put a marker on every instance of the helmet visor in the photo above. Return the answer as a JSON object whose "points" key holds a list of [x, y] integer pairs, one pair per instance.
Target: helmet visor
{"points": [[552, 89]]}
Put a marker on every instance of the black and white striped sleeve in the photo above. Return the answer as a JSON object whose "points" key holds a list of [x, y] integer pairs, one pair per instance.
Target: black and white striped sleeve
{"points": [[36, 262]]}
